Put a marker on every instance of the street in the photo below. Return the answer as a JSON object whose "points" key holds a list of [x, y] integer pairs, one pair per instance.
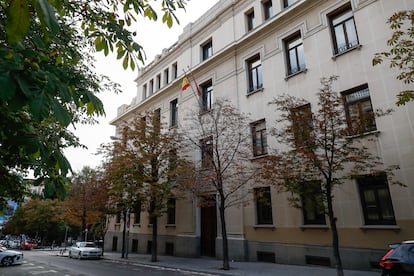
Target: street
{"points": [[44, 263]]}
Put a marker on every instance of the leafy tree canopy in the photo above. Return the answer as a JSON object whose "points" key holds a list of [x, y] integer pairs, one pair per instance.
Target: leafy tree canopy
{"points": [[401, 53], [46, 77], [40, 219], [86, 203], [319, 145]]}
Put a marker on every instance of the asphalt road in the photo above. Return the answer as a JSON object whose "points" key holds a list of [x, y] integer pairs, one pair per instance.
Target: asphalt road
{"points": [[42, 263]]}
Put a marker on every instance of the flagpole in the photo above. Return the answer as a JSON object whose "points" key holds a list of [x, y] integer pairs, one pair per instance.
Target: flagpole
{"points": [[198, 94]]}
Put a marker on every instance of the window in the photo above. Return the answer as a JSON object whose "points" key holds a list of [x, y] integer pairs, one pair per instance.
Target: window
{"points": [[206, 146], [158, 82], [118, 218], [143, 125], [312, 203], [174, 113], [171, 211], [207, 96], [376, 200], [250, 20], [254, 67], [344, 33], [166, 76], [207, 50], [259, 138], [144, 91], [295, 54], [263, 205], [175, 70], [287, 3], [157, 120], [151, 87], [302, 126], [136, 209], [172, 164], [267, 9], [358, 109]]}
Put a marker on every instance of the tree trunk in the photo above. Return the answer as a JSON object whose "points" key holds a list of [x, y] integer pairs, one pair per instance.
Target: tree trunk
{"points": [[154, 230], [335, 237], [154, 239], [226, 265], [83, 221], [123, 235]]}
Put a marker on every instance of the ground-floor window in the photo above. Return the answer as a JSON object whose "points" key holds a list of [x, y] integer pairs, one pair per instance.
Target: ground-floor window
{"points": [[376, 200]]}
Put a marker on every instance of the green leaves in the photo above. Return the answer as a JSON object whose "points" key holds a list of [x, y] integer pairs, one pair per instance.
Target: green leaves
{"points": [[8, 86], [46, 14], [401, 52], [46, 76], [18, 20]]}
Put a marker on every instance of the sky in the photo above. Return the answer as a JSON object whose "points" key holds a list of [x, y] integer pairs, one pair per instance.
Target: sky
{"points": [[153, 37]]}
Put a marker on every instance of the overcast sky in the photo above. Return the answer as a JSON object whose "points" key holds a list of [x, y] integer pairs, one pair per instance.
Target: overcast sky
{"points": [[153, 36]]}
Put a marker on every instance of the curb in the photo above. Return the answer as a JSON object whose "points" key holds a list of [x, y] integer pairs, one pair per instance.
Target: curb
{"points": [[160, 267]]}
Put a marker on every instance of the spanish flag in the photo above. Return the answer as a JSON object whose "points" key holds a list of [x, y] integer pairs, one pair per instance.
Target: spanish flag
{"points": [[185, 84]]}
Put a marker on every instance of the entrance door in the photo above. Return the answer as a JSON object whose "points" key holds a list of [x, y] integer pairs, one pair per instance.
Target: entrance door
{"points": [[208, 229], [114, 243]]}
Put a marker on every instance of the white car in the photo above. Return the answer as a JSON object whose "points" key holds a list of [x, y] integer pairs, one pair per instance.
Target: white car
{"points": [[85, 250], [10, 257]]}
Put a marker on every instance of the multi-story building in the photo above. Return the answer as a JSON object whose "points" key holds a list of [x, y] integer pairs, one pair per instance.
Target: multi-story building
{"points": [[249, 52]]}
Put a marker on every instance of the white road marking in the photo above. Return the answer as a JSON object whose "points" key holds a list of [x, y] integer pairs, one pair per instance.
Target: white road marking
{"points": [[41, 272], [32, 267]]}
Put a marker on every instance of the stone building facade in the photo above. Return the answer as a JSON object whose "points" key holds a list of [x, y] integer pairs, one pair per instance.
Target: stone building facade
{"points": [[249, 52]]}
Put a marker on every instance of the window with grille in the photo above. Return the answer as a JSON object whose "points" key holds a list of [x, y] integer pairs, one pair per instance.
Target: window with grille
{"points": [[358, 109], [343, 29]]}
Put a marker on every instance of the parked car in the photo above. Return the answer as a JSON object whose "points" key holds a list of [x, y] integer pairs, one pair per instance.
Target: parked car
{"points": [[10, 257], [85, 250], [13, 244], [399, 260], [28, 244]]}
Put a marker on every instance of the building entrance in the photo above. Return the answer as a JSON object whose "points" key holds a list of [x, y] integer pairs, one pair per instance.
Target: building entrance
{"points": [[208, 228]]}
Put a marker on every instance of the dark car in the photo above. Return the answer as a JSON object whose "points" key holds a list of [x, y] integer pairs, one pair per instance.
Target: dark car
{"points": [[399, 260]]}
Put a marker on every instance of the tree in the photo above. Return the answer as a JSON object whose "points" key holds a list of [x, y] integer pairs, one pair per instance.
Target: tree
{"points": [[87, 200], [401, 54], [222, 136], [142, 168], [47, 78], [319, 151], [40, 219]]}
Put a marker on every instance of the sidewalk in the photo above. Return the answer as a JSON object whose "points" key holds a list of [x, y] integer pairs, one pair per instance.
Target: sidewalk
{"points": [[210, 266]]}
